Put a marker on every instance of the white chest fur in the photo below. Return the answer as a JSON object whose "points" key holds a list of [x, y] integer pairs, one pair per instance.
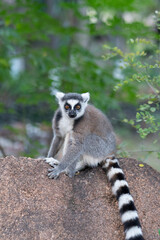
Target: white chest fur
{"points": [[65, 125]]}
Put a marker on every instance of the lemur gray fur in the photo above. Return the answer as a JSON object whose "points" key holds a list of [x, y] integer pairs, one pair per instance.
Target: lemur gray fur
{"points": [[84, 136]]}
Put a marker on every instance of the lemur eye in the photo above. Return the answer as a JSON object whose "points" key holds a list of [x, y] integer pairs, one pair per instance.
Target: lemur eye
{"points": [[77, 107], [67, 107]]}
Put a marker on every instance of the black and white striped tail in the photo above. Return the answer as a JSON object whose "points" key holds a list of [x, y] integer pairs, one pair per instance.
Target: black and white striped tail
{"points": [[127, 209]]}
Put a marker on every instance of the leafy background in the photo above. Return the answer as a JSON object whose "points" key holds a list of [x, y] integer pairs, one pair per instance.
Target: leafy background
{"points": [[109, 48]]}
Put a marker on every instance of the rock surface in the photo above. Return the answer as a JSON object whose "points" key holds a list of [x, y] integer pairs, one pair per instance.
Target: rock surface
{"points": [[33, 207]]}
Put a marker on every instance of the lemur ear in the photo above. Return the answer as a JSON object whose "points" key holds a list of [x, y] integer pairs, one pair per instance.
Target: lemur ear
{"points": [[85, 96], [59, 95]]}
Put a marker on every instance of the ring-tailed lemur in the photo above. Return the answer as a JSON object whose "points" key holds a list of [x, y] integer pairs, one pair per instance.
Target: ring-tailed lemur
{"points": [[85, 137]]}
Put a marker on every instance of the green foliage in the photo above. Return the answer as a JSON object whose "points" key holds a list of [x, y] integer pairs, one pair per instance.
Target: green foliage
{"points": [[27, 31], [143, 69]]}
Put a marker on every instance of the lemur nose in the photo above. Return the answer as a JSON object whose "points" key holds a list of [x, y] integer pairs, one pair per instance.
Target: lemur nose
{"points": [[72, 114]]}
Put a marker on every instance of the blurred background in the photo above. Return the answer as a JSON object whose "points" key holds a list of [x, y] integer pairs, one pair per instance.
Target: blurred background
{"points": [[108, 48]]}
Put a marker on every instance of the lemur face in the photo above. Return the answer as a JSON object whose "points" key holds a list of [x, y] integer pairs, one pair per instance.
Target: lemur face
{"points": [[73, 108], [72, 105]]}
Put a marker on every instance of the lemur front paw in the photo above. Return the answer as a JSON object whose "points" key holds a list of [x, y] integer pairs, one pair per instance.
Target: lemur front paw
{"points": [[54, 172], [51, 161]]}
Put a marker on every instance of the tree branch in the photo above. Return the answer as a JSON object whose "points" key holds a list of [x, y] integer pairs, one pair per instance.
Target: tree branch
{"points": [[2, 151], [153, 89]]}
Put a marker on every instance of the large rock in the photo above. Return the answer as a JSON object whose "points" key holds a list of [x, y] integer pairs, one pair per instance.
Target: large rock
{"points": [[82, 208]]}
